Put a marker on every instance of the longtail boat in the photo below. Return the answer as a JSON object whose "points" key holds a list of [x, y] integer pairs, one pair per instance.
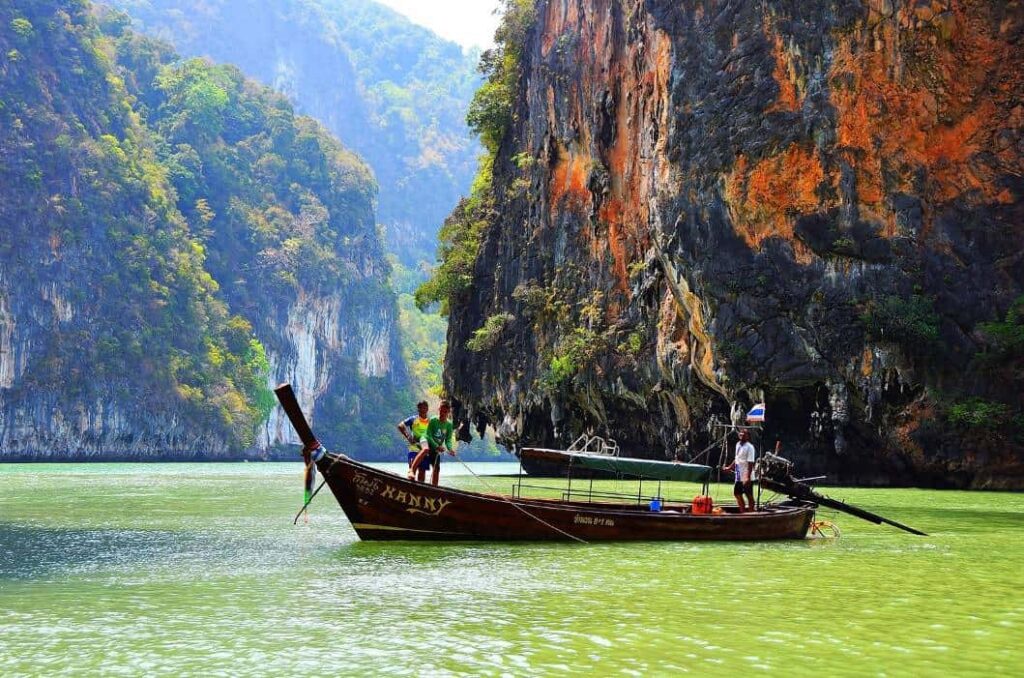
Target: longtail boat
{"points": [[559, 466], [385, 506]]}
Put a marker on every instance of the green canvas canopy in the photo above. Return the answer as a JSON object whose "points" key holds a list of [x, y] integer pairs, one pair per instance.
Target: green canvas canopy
{"points": [[627, 466]]}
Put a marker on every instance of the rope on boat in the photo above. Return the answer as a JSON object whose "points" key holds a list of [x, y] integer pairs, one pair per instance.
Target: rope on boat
{"points": [[310, 501], [308, 494], [322, 483], [697, 457], [504, 498], [722, 454], [825, 529]]}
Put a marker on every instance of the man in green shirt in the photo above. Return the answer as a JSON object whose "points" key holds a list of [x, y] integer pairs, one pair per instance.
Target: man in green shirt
{"points": [[440, 437]]}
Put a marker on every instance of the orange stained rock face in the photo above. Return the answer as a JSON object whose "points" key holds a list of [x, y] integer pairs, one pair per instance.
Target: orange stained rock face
{"points": [[912, 94], [631, 75], [785, 76], [910, 420], [867, 362], [640, 104], [765, 199], [672, 345], [559, 15], [568, 183]]}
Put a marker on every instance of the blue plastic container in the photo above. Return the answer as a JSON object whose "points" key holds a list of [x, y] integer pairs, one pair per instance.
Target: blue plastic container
{"points": [[655, 504]]}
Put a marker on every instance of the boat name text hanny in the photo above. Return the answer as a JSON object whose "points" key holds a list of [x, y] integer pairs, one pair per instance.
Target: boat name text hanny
{"points": [[414, 503]]}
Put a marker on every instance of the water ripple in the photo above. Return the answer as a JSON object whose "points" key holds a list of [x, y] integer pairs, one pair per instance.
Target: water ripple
{"points": [[197, 570]]}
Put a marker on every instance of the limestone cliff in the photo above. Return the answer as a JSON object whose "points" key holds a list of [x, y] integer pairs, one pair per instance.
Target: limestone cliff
{"points": [[174, 241], [703, 204]]}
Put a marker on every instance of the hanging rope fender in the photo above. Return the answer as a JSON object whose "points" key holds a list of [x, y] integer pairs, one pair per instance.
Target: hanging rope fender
{"points": [[825, 529], [316, 454]]}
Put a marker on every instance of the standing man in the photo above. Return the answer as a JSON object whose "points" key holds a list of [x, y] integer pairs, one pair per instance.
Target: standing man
{"points": [[743, 467], [440, 437], [414, 429]]}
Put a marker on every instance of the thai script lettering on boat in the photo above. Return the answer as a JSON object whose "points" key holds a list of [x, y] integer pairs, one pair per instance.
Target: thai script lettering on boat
{"points": [[414, 503], [366, 484], [592, 520]]}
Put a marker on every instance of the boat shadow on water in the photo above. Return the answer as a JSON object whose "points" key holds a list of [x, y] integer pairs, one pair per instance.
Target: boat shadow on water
{"points": [[401, 555]]}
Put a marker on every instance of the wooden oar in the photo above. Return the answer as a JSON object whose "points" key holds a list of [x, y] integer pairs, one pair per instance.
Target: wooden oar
{"points": [[797, 489]]}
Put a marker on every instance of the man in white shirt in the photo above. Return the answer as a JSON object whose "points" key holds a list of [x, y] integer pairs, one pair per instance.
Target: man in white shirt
{"points": [[743, 467]]}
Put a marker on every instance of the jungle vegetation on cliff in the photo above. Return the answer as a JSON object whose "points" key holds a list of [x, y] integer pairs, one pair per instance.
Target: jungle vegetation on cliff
{"points": [[159, 217], [390, 90], [490, 114]]}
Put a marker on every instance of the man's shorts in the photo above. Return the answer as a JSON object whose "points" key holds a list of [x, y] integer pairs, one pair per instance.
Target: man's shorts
{"points": [[740, 487], [424, 463]]}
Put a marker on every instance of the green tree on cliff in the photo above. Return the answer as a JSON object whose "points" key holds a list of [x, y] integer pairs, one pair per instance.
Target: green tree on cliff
{"points": [[490, 114]]}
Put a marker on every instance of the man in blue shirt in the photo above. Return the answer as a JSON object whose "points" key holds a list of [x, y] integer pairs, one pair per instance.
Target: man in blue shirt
{"points": [[414, 430]]}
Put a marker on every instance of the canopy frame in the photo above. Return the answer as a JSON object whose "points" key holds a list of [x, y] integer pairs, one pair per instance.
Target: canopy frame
{"points": [[622, 468]]}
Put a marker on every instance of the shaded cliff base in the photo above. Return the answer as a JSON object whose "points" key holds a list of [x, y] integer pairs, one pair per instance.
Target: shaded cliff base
{"points": [[1009, 477], [839, 472], [925, 452], [473, 453], [282, 454]]}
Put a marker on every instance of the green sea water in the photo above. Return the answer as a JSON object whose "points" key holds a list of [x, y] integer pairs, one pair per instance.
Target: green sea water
{"points": [[123, 569]]}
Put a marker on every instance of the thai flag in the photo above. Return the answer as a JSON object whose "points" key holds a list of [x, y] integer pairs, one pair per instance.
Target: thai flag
{"points": [[756, 413]]}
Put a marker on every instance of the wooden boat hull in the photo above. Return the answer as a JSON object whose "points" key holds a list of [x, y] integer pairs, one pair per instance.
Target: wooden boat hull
{"points": [[384, 506]]}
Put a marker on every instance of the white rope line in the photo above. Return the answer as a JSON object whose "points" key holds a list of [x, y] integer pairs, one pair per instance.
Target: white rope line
{"points": [[697, 457], [504, 498], [723, 453]]}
